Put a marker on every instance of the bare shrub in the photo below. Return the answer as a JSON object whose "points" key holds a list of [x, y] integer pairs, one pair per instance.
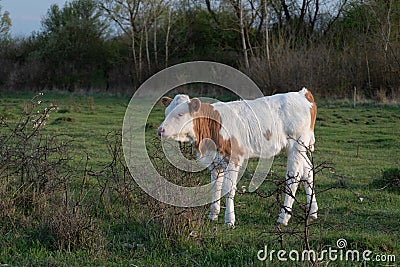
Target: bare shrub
{"points": [[115, 185], [71, 228], [301, 228], [381, 96], [38, 183], [329, 71], [390, 180], [117, 189], [32, 164], [7, 207], [177, 223]]}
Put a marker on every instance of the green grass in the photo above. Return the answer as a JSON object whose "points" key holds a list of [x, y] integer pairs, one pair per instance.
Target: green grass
{"points": [[359, 143]]}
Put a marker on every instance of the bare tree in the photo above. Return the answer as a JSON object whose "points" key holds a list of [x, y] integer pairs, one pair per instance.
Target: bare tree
{"points": [[146, 33], [155, 37], [243, 35], [167, 37], [124, 13], [136, 19], [267, 34]]}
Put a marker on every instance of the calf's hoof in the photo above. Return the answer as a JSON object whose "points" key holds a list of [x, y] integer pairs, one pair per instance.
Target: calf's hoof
{"points": [[313, 216], [284, 218], [282, 221], [230, 225], [213, 217]]}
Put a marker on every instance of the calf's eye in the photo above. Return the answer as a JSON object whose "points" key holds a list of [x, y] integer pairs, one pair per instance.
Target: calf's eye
{"points": [[180, 114]]}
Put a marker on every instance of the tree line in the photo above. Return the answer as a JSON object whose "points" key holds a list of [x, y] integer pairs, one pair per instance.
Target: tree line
{"points": [[114, 45]]}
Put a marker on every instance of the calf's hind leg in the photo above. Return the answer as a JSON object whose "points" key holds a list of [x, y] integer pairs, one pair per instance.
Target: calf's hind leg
{"points": [[308, 182], [229, 190], [294, 174]]}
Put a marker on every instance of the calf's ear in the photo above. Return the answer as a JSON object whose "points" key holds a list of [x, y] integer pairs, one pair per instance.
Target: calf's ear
{"points": [[166, 101], [194, 105]]}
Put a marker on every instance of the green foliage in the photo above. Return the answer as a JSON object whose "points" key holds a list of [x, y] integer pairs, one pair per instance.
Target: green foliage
{"points": [[74, 45], [202, 38], [5, 24]]}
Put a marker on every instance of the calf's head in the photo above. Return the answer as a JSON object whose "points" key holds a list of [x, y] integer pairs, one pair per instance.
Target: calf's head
{"points": [[178, 122], [190, 120]]}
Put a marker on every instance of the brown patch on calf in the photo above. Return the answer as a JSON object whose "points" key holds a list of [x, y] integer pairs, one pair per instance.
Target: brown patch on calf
{"points": [[313, 110], [207, 125], [233, 150], [268, 135]]}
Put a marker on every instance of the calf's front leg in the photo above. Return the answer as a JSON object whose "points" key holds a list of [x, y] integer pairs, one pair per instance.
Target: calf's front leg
{"points": [[217, 178]]}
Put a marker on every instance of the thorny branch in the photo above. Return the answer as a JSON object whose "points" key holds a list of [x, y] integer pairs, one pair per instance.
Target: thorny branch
{"points": [[300, 221]]}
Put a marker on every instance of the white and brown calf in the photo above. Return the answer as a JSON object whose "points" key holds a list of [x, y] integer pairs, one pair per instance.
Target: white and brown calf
{"points": [[226, 134]]}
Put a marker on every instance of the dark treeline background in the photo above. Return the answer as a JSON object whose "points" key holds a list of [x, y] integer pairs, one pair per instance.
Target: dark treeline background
{"points": [[114, 45]]}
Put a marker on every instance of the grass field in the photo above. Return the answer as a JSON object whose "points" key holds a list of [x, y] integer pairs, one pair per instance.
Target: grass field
{"points": [[359, 143]]}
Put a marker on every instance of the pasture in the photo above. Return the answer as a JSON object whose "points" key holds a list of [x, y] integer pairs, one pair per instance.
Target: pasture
{"points": [[357, 149]]}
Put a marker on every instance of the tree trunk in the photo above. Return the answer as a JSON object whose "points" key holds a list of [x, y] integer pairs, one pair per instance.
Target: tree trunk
{"points": [[267, 34], [389, 26], [140, 56], [135, 68], [243, 35], [155, 38], [167, 37], [146, 32]]}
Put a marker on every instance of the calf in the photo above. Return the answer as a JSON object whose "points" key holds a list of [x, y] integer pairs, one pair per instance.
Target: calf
{"points": [[226, 134]]}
